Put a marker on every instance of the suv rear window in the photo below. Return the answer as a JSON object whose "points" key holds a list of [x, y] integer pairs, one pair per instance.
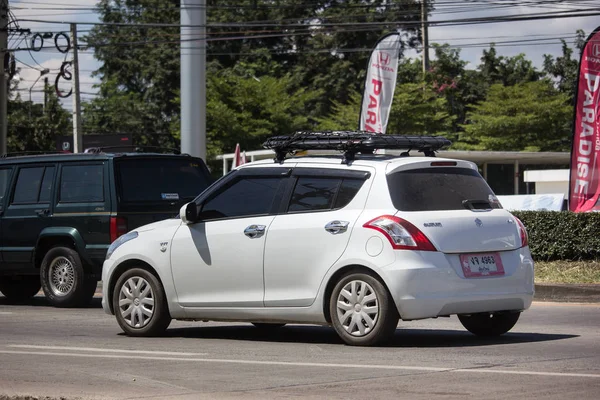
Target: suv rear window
{"points": [[161, 179], [439, 188]]}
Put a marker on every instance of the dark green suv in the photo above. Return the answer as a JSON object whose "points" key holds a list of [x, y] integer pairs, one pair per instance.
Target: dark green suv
{"points": [[59, 213]]}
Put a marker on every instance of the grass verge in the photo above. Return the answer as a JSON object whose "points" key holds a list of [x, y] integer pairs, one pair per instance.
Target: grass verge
{"points": [[567, 271]]}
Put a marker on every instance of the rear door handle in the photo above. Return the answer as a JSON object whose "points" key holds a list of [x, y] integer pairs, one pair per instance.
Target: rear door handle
{"points": [[337, 227], [255, 231], [42, 213]]}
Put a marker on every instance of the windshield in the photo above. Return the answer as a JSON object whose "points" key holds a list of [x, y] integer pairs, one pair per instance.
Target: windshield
{"points": [[439, 188], [162, 179]]}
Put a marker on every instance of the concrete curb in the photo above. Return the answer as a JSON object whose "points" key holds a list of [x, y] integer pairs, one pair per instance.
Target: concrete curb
{"points": [[569, 293]]}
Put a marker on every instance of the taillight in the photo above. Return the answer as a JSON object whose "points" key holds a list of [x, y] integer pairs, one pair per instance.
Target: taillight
{"points": [[118, 227], [402, 234], [522, 233]]}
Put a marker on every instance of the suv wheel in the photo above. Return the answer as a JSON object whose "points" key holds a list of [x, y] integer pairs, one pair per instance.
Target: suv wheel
{"points": [[489, 324], [20, 288], [362, 310], [140, 304], [63, 278]]}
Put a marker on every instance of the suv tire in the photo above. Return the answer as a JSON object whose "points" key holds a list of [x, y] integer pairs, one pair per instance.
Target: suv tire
{"points": [[489, 324], [356, 299], [64, 280], [140, 304], [20, 288]]}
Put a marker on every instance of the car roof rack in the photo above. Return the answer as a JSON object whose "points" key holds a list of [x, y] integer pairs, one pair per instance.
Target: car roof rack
{"points": [[133, 149], [29, 153], [352, 142]]}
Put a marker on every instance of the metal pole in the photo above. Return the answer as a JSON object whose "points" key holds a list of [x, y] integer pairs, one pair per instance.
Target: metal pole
{"points": [[77, 140], [193, 77], [3, 75], [425, 34]]}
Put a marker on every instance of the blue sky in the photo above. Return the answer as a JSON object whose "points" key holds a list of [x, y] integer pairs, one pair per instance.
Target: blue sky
{"points": [[458, 35]]}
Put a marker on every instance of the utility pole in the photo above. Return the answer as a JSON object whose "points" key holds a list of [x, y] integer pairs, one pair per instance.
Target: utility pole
{"points": [[3, 76], [193, 77], [425, 35], [77, 145]]}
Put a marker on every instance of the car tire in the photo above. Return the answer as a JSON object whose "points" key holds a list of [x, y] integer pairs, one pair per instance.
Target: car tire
{"points": [[64, 280], [268, 326], [489, 324], [362, 311], [140, 304], [20, 288]]}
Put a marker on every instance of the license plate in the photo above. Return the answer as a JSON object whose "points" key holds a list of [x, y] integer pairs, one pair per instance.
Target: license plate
{"points": [[484, 264]]}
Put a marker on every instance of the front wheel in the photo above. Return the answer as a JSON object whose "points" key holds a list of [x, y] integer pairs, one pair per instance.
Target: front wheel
{"points": [[489, 324], [362, 310], [140, 304], [19, 288], [64, 280]]}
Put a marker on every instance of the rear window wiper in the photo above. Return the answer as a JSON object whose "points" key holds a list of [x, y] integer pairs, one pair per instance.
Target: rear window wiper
{"points": [[477, 204]]}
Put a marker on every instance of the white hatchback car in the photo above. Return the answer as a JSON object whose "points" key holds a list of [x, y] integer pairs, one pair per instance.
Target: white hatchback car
{"points": [[357, 243]]}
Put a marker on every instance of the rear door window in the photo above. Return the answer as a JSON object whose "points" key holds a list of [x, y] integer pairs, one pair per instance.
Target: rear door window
{"points": [[313, 193], [34, 185], [438, 189], [161, 179]]}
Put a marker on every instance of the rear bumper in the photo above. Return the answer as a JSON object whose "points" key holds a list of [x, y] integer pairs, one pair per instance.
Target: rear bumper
{"points": [[431, 284]]}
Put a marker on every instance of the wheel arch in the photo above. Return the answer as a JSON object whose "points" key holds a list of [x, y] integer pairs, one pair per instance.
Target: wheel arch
{"points": [[120, 269], [353, 268], [59, 236]]}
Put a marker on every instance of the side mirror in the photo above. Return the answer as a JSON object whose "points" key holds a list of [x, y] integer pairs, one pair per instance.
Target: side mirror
{"points": [[189, 213]]}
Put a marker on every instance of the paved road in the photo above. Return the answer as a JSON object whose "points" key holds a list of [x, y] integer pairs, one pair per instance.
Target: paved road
{"points": [[552, 353]]}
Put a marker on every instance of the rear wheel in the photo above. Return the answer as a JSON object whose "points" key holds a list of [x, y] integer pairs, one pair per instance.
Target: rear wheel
{"points": [[140, 304], [19, 288], [362, 310], [489, 324], [64, 280]]}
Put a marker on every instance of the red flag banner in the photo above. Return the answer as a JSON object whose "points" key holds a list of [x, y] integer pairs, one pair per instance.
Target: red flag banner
{"points": [[584, 185], [380, 83]]}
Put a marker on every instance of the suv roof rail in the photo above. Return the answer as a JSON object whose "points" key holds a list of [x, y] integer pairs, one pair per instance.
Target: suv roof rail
{"points": [[134, 149], [352, 142], [30, 153]]}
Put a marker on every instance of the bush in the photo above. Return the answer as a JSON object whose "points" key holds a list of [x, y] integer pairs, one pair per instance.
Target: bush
{"points": [[562, 235]]}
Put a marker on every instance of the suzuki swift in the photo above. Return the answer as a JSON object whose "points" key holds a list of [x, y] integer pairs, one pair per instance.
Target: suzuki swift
{"points": [[357, 242]]}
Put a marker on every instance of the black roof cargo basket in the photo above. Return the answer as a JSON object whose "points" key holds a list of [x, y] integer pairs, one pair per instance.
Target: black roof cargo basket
{"points": [[352, 142]]}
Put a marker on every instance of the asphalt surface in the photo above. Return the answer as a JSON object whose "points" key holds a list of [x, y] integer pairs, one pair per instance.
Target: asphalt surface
{"points": [[552, 353]]}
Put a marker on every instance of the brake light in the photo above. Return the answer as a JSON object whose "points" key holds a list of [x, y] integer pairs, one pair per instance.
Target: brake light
{"points": [[118, 227], [522, 233], [402, 234]]}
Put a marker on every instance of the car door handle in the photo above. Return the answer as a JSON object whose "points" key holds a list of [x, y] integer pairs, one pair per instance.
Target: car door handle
{"points": [[336, 227], [255, 231], [42, 213]]}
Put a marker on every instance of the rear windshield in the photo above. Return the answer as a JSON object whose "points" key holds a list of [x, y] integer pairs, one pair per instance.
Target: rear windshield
{"points": [[440, 188], [161, 179]]}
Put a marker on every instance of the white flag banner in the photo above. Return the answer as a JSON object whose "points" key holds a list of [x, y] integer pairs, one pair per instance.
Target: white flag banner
{"points": [[380, 83]]}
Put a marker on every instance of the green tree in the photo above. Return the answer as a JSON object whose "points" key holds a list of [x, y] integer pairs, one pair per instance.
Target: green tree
{"points": [[563, 69], [530, 116], [417, 109], [33, 128]]}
